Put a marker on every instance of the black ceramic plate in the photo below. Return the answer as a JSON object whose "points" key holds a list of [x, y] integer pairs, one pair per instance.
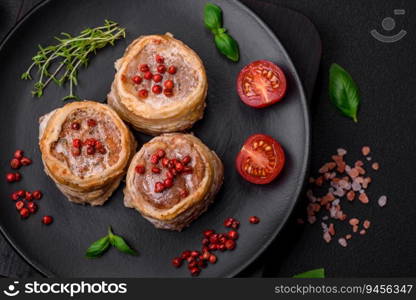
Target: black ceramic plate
{"points": [[58, 249]]}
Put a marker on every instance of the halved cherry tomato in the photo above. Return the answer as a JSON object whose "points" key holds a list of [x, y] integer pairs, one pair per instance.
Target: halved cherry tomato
{"points": [[261, 159], [261, 84]]}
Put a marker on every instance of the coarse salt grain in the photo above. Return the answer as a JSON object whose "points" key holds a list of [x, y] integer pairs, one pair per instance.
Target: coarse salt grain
{"points": [[363, 198], [359, 163], [340, 185], [356, 186], [350, 195], [382, 201], [331, 229], [327, 237], [341, 151], [339, 192], [365, 150], [343, 242], [354, 221]]}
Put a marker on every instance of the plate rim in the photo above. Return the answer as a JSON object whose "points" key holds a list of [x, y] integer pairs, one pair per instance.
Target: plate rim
{"points": [[303, 171]]}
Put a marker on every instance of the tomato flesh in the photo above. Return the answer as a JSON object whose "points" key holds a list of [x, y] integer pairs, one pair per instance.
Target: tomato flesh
{"points": [[261, 84], [261, 159]]}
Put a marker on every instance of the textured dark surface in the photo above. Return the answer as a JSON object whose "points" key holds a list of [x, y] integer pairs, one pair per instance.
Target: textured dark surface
{"points": [[287, 122], [386, 75]]}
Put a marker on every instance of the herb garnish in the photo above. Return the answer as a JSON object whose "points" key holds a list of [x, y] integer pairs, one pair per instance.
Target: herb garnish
{"points": [[99, 247], [317, 273], [343, 91], [69, 55], [224, 42]]}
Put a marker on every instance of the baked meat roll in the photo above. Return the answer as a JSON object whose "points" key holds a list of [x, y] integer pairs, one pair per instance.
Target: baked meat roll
{"points": [[160, 85], [86, 149], [172, 180]]}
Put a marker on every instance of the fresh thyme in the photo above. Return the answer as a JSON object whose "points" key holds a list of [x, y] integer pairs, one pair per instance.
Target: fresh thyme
{"points": [[69, 55]]}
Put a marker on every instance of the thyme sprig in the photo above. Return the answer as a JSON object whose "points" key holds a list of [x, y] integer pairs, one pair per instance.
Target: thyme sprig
{"points": [[69, 55]]}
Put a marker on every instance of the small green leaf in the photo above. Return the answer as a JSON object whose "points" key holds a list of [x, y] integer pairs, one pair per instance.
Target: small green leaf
{"points": [[227, 46], [98, 247], [212, 16], [317, 273], [119, 243], [344, 92]]}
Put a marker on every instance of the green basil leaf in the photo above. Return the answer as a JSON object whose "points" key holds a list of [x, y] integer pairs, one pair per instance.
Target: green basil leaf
{"points": [[212, 16], [317, 273], [227, 46], [344, 92], [98, 247], [119, 243]]}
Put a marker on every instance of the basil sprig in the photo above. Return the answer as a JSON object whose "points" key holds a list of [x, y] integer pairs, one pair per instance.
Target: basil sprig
{"points": [[223, 41], [317, 273], [98, 248], [344, 92]]}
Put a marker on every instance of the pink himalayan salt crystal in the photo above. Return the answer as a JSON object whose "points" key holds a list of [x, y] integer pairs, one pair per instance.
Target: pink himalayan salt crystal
{"points": [[354, 221], [343, 242], [327, 237], [339, 192], [365, 150], [341, 151], [352, 185], [356, 186], [382, 201], [363, 198]]}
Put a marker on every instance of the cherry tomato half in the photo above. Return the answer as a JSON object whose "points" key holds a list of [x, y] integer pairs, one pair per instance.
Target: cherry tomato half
{"points": [[261, 159], [261, 83]]}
